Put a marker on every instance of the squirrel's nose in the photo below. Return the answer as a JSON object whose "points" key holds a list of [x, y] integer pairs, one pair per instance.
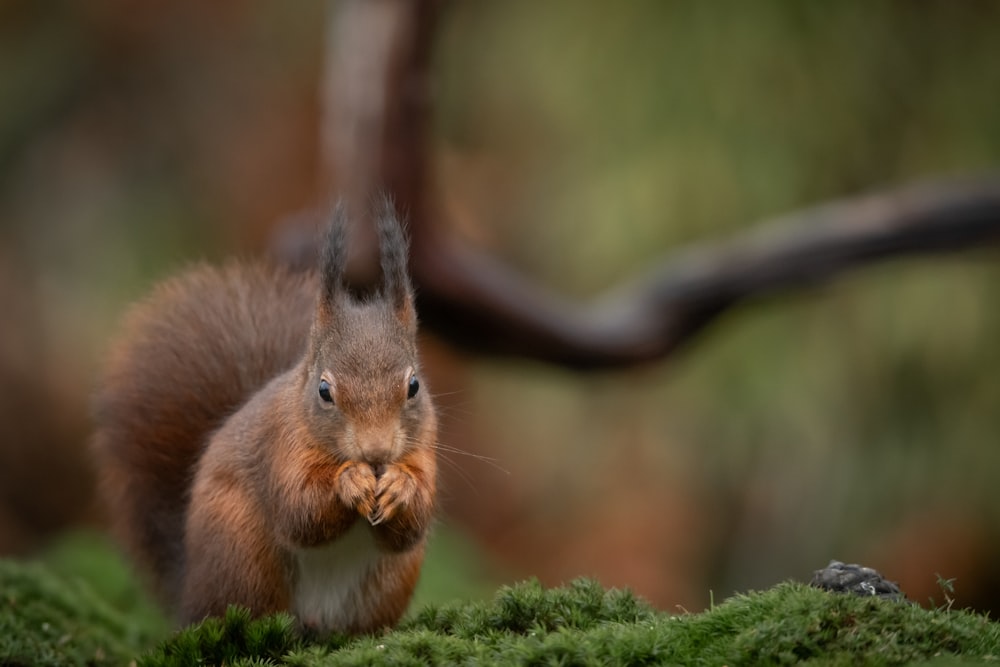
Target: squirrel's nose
{"points": [[375, 445], [376, 453]]}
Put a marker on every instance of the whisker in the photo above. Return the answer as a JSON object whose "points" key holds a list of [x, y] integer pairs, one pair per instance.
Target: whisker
{"points": [[438, 394], [456, 410], [454, 450], [492, 462], [462, 473], [441, 447]]}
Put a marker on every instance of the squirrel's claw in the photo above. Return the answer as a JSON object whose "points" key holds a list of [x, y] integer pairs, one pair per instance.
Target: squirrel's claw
{"points": [[395, 489], [366, 509], [382, 512]]}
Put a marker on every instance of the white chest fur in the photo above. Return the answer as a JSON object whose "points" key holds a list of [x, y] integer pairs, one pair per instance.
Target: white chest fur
{"points": [[329, 590]]}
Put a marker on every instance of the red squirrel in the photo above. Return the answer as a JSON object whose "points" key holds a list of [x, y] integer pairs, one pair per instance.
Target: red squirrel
{"points": [[263, 439]]}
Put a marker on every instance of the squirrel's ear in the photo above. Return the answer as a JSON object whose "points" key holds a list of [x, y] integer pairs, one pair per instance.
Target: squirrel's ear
{"points": [[393, 250], [333, 257]]}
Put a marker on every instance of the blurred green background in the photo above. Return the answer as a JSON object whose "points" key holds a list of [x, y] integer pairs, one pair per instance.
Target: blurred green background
{"points": [[580, 141]]}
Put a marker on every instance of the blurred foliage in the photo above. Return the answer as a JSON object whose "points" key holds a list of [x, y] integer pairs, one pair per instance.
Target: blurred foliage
{"points": [[84, 558], [651, 124], [46, 619], [581, 141], [860, 419]]}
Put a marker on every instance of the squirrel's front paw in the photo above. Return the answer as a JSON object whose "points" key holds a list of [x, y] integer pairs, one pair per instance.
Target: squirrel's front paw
{"points": [[356, 488], [395, 489]]}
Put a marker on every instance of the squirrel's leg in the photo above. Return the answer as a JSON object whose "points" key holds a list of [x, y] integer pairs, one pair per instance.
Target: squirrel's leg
{"points": [[229, 559], [392, 583], [404, 501]]}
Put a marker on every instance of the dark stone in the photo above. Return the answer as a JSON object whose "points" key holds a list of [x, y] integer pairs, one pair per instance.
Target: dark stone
{"points": [[842, 578]]}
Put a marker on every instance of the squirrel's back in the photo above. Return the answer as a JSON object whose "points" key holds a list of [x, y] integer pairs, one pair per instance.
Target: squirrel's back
{"points": [[188, 356]]}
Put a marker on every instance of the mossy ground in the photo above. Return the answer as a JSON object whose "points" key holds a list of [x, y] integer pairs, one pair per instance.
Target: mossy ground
{"points": [[49, 617], [583, 624]]}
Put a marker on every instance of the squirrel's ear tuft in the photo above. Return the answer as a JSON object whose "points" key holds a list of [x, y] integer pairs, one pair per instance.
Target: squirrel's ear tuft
{"points": [[393, 251], [333, 256]]}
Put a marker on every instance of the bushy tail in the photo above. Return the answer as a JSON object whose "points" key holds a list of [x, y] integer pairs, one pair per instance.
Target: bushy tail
{"points": [[189, 355]]}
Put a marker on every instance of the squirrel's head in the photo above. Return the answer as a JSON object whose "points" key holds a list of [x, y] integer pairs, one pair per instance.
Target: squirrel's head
{"points": [[362, 386]]}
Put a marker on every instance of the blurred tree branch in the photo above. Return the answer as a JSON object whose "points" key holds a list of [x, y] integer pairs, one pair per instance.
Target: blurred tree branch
{"points": [[376, 135]]}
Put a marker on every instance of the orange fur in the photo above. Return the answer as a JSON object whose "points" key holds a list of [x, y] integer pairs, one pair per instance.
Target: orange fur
{"points": [[232, 480]]}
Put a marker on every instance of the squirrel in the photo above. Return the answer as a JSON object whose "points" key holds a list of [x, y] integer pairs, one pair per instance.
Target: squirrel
{"points": [[263, 439]]}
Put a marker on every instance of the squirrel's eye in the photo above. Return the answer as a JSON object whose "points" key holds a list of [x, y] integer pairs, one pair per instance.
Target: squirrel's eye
{"points": [[414, 387], [324, 391]]}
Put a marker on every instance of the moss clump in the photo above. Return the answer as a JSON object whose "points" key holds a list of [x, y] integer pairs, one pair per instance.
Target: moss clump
{"points": [[233, 639], [49, 620]]}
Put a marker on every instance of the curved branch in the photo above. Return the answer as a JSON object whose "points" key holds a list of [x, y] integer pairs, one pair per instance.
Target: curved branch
{"points": [[472, 300], [378, 109]]}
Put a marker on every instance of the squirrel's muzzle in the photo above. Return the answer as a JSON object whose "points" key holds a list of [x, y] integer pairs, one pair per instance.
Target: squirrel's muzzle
{"points": [[376, 446]]}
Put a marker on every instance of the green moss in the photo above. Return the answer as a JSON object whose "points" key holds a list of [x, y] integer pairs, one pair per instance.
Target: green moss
{"points": [[584, 624], [235, 638], [52, 619], [90, 558], [49, 620]]}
